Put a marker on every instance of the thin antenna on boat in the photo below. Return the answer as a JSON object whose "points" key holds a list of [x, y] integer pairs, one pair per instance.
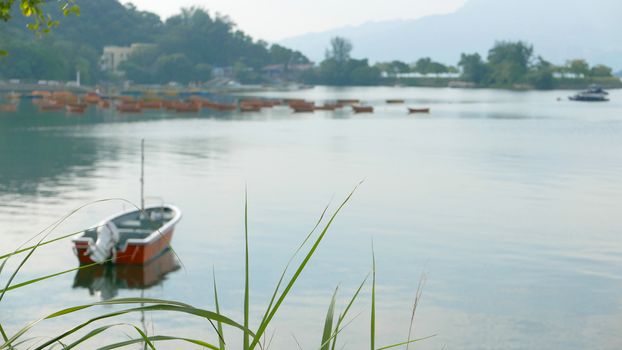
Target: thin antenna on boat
{"points": [[142, 175]]}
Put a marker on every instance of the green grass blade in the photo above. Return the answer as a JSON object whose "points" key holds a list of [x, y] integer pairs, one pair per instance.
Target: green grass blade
{"points": [[415, 304], [345, 311], [157, 338], [328, 323], [337, 331], [4, 337], [301, 267], [405, 343], [102, 329], [160, 305], [291, 259], [246, 282], [221, 335], [373, 299], [39, 279]]}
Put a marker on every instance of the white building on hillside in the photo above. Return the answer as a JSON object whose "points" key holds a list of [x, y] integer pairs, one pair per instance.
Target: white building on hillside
{"points": [[114, 55]]}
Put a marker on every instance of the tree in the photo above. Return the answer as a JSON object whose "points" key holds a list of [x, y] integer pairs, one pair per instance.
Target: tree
{"points": [[474, 69], [509, 62], [340, 49], [541, 74], [423, 65], [579, 67], [601, 70], [42, 21]]}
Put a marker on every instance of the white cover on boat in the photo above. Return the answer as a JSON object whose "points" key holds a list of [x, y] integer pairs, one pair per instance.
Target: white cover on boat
{"points": [[107, 239]]}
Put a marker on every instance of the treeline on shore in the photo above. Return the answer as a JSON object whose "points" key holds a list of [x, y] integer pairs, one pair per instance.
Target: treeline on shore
{"points": [[509, 65], [193, 45], [183, 48]]}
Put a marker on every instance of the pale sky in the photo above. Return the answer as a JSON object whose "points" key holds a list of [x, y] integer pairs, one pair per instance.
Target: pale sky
{"points": [[273, 20]]}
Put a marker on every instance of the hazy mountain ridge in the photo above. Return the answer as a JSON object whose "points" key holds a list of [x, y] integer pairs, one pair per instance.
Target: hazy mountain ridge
{"points": [[558, 29]]}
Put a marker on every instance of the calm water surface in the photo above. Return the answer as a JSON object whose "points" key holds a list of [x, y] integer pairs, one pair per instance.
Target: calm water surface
{"points": [[509, 202]]}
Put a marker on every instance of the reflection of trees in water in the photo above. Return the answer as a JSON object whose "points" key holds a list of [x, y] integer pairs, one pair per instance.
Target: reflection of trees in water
{"points": [[41, 150], [107, 280]]}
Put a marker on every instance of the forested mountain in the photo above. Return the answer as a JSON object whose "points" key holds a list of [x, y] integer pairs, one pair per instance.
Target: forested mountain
{"points": [[558, 29], [192, 42]]}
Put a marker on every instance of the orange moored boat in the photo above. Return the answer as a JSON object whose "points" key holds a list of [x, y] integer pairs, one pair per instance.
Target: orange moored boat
{"points": [[9, 107], [418, 110], [76, 107], [348, 101], [132, 237], [363, 109], [328, 107], [187, 107], [223, 107], [129, 107], [135, 237], [249, 108], [41, 94], [303, 107], [151, 104], [103, 104], [91, 98], [51, 105]]}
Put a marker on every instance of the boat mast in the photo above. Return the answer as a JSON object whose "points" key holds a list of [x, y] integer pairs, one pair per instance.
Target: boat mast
{"points": [[142, 175]]}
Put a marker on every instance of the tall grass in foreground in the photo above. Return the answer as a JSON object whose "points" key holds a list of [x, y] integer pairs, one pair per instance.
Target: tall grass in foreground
{"points": [[252, 339]]}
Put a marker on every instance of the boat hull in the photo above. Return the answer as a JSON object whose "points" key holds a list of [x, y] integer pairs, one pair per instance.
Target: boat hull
{"points": [[134, 254], [133, 251]]}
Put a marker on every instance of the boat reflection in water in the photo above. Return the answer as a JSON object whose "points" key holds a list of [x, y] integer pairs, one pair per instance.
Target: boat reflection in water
{"points": [[106, 280]]}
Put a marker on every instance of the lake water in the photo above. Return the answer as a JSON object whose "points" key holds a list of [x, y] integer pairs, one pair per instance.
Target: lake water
{"points": [[509, 202]]}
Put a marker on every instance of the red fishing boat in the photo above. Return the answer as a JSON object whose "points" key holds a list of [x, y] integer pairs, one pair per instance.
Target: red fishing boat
{"points": [[249, 108], [348, 101], [418, 110], [9, 107], [135, 236], [76, 107], [363, 109], [129, 107], [327, 107]]}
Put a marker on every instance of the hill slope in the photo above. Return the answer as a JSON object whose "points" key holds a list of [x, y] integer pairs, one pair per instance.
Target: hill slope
{"points": [[559, 30]]}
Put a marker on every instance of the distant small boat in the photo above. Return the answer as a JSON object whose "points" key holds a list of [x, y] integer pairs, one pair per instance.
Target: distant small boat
{"points": [[594, 93], [259, 103], [129, 107], [188, 107], [303, 108], [51, 105], [418, 110], [9, 107], [249, 108], [327, 107], [363, 109], [224, 107], [348, 101], [76, 107], [91, 98], [151, 104], [103, 104], [135, 236], [395, 101]]}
